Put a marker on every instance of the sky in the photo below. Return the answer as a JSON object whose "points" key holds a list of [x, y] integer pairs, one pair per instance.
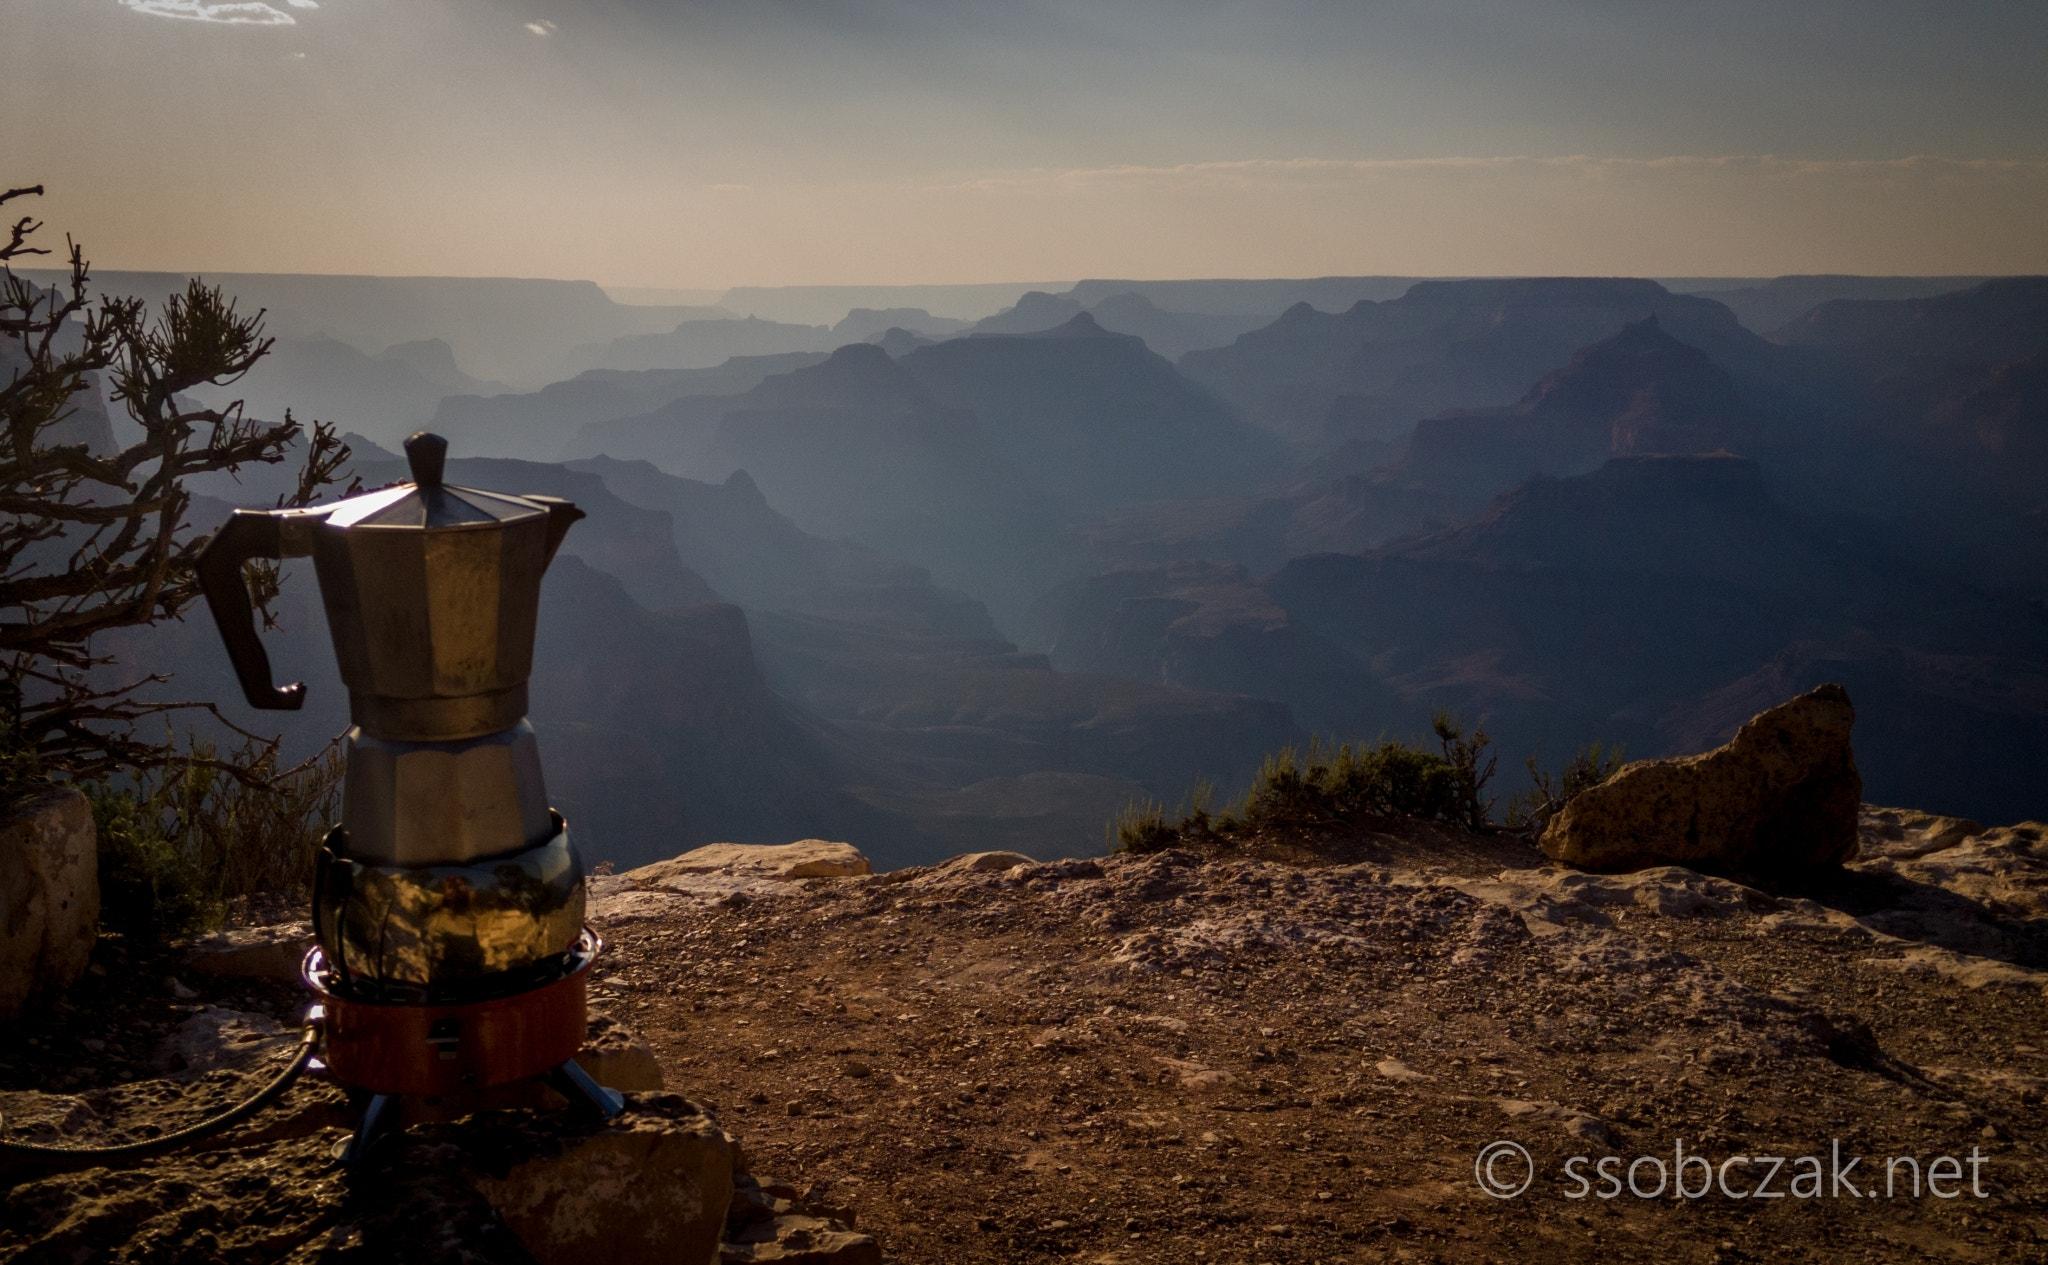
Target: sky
{"points": [[687, 144]]}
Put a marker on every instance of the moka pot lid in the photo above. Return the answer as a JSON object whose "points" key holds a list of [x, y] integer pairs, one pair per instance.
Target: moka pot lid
{"points": [[428, 504]]}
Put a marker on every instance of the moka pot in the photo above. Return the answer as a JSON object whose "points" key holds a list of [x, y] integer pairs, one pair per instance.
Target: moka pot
{"points": [[449, 871]]}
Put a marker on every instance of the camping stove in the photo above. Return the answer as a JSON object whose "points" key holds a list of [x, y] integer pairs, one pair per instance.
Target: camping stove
{"points": [[448, 904]]}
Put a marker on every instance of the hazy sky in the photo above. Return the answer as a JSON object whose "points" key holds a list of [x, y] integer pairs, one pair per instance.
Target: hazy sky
{"points": [[706, 144]]}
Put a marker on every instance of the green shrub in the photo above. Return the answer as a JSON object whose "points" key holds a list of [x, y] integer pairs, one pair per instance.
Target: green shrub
{"points": [[1326, 788], [179, 844], [151, 888], [1142, 826]]}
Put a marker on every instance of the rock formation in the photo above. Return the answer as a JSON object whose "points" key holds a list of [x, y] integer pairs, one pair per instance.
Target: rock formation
{"points": [[49, 897], [1641, 391], [1780, 798], [1374, 369]]}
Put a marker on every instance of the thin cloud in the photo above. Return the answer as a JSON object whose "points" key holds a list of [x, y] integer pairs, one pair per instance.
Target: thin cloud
{"points": [[239, 13], [542, 28], [1261, 171]]}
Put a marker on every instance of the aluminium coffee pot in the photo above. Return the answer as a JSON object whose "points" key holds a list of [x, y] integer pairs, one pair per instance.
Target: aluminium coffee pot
{"points": [[432, 594]]}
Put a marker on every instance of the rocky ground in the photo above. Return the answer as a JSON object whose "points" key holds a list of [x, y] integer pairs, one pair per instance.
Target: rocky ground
{"points": [[1291, 1054]]}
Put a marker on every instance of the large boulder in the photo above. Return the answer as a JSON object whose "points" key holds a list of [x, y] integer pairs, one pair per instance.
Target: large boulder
{"points": [[651, 1188], [49, 897], [1781, 798]]}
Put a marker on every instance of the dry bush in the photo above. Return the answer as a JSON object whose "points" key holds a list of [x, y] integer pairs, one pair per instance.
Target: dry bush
{"points": [[1296, 794], [1532, 810]]}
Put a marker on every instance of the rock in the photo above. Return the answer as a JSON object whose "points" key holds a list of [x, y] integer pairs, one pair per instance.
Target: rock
{"points": [[1984, 896], [787, 862], [991, 861], [618, 1059], [1780, 798], [611, 900], [652, 1186], [2004, 869], [771, 1222], [1055, 871], [1195, 1075], [1965, 969], [49, 897], [800, 1240], [252, 952], [754, 1200], [1579, 1124], [1906, 833], [48, 1119], [217, 1038], [1550, 899], [1396, 1070]]}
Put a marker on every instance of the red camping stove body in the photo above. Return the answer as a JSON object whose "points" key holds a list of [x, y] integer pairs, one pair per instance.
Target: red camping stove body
{"points": [[436, 1049]]}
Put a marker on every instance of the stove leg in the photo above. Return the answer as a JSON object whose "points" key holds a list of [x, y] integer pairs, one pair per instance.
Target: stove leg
{"points": [[377, 1117], [573, 1083]]}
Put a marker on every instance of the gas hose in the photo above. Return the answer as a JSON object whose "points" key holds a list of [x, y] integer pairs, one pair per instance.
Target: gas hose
{"points": [[309, 1041]]}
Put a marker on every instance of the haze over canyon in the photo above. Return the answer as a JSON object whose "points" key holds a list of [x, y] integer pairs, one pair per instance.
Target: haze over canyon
{"points": [[931, 581]]}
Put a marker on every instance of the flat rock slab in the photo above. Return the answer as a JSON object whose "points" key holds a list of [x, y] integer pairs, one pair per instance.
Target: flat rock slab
{"points": [[273, 953], [1212, 1047], [786, 862], [216, 1038]]}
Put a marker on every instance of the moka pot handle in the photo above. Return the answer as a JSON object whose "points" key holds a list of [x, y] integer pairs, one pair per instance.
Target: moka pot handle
{"points": [[247, 534]]}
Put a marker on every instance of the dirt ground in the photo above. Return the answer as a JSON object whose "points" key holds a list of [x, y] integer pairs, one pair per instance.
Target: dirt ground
{"points": [[1300, 1056], [1218, 1060]]}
